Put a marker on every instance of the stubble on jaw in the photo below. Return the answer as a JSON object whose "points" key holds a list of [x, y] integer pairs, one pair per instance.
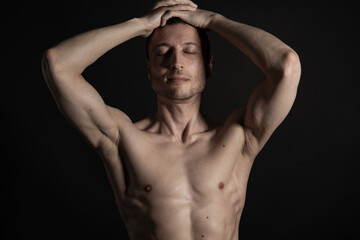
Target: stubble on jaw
{"points": [[177, 91]]}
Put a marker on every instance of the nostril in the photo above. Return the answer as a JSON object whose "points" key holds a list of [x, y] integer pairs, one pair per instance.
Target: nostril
{"points": [[177, 66]]}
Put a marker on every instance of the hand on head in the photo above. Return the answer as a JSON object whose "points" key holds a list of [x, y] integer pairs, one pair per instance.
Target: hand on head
{"points": [[186, 10]]}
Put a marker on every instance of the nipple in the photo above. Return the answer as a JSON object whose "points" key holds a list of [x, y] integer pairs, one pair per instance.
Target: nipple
{"points": [[148, 188], [221, 185]]}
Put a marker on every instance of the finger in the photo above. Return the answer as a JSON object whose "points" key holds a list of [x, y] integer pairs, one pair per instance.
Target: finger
{"points": [[163, 3], [167, 3], [187, 2], [169, 14], [179, 7]]}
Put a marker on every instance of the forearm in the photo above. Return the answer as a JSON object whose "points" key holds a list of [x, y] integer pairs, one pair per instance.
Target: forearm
{"points": [[78, 52], [267, 52]]}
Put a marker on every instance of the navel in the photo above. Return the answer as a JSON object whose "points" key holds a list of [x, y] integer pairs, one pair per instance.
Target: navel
{"points": [[148, 188], [221, 185]]}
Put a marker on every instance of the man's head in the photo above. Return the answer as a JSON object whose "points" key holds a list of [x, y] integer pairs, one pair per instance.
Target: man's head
{"points": [[179, 60]]}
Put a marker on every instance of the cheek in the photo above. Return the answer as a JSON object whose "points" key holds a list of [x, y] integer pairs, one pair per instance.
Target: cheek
{"points": [[196, 66], [155, 71]]}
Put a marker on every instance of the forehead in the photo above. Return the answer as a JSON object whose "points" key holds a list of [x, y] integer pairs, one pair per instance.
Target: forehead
{"points": [[175, 34]]}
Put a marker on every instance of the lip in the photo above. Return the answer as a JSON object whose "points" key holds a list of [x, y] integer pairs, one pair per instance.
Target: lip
{"points": [[177, 79]]}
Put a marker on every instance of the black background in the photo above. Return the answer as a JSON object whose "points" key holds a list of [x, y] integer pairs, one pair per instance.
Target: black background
{"points": [[303, 185]]}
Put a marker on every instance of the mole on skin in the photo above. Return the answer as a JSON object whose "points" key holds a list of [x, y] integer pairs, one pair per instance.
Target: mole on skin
{"points": [[148, 188], [221, 185]]}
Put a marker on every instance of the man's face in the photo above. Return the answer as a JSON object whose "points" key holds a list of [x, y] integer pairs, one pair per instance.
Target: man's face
{"points": [[176, 66]]}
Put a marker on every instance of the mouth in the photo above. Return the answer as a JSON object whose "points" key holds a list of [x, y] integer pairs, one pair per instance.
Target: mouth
{"points": [[177, 79]]}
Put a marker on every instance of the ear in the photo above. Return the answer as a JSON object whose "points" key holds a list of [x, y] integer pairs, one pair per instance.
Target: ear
{"points": [[209, 68]]}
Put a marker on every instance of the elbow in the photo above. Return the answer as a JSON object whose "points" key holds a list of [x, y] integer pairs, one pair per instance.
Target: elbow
{"points": [[54, 70], [290, 67], [287, 68], [49, 62], [60, 62]]}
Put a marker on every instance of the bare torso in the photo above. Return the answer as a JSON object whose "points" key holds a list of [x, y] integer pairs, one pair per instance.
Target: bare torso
{"points": [[190, 184], [170, 190]]}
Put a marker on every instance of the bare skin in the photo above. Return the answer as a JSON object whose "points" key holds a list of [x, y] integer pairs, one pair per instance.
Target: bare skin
{"points": [[176, 174]]}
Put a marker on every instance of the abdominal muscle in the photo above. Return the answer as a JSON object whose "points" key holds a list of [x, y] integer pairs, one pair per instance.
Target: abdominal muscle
{"points": [[214, 217], [193, 208]]}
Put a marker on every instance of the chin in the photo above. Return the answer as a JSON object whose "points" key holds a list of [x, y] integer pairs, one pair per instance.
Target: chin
{"points": [[179, 93], [181, 97]]}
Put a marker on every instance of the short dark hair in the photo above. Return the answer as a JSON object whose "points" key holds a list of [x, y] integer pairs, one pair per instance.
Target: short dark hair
{"points": [[205, 44]]}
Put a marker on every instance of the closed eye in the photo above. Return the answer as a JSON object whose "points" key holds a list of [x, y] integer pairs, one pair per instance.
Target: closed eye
{"points": [[188, 52], [162, 50], [161, 53]]}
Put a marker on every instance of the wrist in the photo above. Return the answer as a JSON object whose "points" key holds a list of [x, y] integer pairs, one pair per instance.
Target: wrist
{"points": [[215, 18], [145, 27], [138, 26]]}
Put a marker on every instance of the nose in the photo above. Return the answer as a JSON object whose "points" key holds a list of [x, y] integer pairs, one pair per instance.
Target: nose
{"points": [[176, 61]]}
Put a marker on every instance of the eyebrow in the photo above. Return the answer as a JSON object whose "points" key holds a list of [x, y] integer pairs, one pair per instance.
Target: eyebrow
{"points": [[190, 43], [168, 45]]}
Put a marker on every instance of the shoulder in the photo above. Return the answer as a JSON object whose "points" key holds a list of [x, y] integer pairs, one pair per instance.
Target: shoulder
{"points": [[118, 115], [126, 124], [126, 128], [146, 124], [235, 129]]}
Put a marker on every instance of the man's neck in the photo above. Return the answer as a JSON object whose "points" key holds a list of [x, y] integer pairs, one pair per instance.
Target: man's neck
{"points": [[180, 119]]}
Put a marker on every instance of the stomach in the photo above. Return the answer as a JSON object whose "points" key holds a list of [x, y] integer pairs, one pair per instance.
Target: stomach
{"points": [[213, 217]]}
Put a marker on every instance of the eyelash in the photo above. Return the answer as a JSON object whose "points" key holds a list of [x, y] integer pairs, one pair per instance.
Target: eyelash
{"points": [[186, 52], [190, 52]]}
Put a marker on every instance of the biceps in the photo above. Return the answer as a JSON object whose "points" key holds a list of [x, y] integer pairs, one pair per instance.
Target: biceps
{"points": [[268, 106]]}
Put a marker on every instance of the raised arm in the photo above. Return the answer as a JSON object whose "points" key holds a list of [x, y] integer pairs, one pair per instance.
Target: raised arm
{"points": [[272, 99], [78, 101]]}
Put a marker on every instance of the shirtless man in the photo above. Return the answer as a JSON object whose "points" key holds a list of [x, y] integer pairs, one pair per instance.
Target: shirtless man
{"points": [[176, 175]]}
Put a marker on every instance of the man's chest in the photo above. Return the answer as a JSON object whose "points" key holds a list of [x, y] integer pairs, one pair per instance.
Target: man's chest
{"points": [[170, 170]]}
